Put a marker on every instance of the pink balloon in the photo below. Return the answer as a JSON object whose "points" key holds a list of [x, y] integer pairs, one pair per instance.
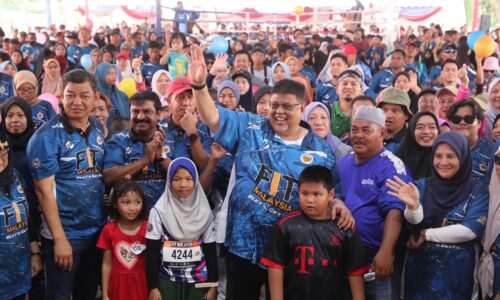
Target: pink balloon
{"points": [[89, 24], [52, 99]]}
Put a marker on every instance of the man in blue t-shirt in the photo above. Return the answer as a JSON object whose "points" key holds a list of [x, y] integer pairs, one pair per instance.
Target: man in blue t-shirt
{"points": [[150, 67], [76, 51], [32, 50], [378, 215], [140, 152], [6, 87], [66, 158], [384, 78], [269, 156]]}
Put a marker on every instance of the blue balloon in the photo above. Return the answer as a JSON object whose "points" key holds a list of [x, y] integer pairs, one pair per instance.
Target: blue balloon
{"points": [[472, 38], [86, 61], [218, 45]]}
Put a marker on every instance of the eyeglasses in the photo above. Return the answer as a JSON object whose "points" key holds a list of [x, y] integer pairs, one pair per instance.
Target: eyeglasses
{"points": [[286, 106], [497, 160], [26, 90], [450, 51], [467, 119]]}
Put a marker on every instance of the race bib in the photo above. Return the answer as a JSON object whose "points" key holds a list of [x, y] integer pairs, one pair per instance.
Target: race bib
{"points": [[181, 254]]}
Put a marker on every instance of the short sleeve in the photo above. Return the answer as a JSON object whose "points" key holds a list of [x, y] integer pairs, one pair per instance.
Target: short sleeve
{"points": [[231, 127], [476, 215], [275, 255], [209, 234], [387, 202], [154, 230], [114, 153], [104, 241], [206, 139], [43, 156], [355, 262]]}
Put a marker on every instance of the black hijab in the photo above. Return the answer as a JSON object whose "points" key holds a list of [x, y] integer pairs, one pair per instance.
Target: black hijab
{"points": [[416, 157], [246, 100], [18, 142], [442, 195]]}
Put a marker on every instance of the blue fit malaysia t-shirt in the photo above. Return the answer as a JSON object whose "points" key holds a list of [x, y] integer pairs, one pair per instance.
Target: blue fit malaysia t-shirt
{"points": [[15, 272], [267, 171], [42, 112], [76, 159], [366, 194]]}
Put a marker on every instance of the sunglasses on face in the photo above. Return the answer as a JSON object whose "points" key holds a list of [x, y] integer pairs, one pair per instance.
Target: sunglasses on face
{"points": [[467, 119], [450, 51], [497, 160]]}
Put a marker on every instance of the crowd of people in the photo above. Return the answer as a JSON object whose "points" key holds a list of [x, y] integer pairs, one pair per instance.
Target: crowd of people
{"points": [[309, 166]]}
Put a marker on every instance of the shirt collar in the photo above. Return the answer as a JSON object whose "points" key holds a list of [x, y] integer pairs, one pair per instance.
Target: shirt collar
{"points": [[70, 128]]}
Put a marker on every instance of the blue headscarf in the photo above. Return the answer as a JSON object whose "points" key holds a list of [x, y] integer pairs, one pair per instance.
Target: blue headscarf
{"points": [[119, 101], [231, 85], [442, 195], [284, 66], [4, 65]]}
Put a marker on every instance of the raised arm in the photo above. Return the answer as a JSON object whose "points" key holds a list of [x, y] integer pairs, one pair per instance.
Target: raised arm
{"points": [[197, 72]]}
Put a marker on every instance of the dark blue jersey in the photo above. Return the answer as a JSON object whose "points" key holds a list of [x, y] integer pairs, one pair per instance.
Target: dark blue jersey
{"points": [[75, 52], [76, 159], [42, 112], [6, 87], [15, 271], [148, 69]]}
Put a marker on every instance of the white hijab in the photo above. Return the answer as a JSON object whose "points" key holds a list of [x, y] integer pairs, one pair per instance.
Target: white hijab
{"points": [[325, 75], [184, 218], [486, 267]]}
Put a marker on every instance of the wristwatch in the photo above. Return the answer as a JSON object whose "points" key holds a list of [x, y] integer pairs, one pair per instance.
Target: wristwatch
{"points": [[198, 87], [192, 137]]}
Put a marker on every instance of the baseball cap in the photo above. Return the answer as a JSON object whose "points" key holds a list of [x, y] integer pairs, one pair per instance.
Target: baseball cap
{"points": [[179, 85], [349, 49], [242, 73], [122, 55], [297, 52], [491, 64], [450, 89], [395, 96], [425, 92]]}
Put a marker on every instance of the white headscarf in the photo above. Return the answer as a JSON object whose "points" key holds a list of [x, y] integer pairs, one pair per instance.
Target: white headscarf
{"points": [[184, 218], [486, 267], [325, 76]]}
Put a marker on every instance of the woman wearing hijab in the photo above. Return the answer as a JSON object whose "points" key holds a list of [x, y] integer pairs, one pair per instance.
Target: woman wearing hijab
{"points": [[52, 81], [279, 71], [160, 83], [489, 263], [262, 100], [317, 115], [327, 78], [9, 68], [493, 106], [415, 150], [295, 66], [16, 129], [407, 82], [181, 222], [243, 80], [106, 78], [26, 86], [448, 214], [228, 95]]}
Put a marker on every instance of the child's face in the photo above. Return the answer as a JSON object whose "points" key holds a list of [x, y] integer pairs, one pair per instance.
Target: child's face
{"points": [[314, 199], [182, 183], [111, 76], [129, 206], [177, 45]]}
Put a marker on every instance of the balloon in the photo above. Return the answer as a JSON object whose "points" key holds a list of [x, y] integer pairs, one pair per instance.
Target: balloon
{"points": [[472, 38], [89, 24], [86, 61], [49, 97], [218, 45], [298, 10], [485, 46], [127, 86]]}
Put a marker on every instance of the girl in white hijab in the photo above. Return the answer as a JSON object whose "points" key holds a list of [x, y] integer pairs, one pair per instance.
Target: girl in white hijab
{"points": [[181, 236]]}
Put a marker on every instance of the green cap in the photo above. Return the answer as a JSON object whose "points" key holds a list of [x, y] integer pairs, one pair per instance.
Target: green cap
{"points": [[394, 96]]}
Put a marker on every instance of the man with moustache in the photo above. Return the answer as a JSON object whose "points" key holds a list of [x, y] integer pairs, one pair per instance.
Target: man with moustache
{"points": [[140, 153], [349, 86], [396, 106]]}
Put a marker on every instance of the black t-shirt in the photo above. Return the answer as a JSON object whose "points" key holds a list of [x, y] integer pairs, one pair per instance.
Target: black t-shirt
{"points": [[316, 257]]}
